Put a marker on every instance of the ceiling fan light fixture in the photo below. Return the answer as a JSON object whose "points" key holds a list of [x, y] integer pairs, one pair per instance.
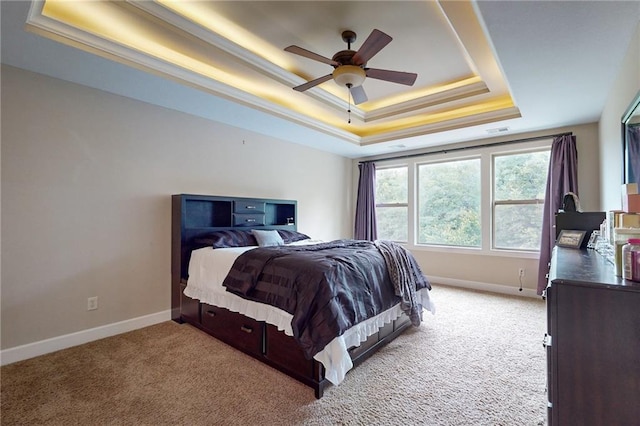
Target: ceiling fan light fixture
{"points": [[349, 75]]}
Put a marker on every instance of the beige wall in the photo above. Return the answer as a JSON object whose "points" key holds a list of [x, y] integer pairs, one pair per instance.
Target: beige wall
{"points": [[86, 183], [498, 272], [623, 92]]}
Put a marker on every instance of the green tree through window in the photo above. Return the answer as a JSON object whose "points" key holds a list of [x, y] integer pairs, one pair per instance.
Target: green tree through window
{"points": [[519, 185], [449, 203], [392, 203]]}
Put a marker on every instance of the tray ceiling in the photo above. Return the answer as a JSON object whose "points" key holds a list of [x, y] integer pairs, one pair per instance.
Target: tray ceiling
{"points": [[235, 50]]}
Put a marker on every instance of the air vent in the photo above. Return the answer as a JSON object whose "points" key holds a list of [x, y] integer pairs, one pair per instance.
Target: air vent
{"points": [[497, 130]]}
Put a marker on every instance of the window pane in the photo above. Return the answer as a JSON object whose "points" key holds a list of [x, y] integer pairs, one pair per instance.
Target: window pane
{"points": [[391, 185], [518, 226], [392, 223], [521, 176], [391, 188], [449, 203]]}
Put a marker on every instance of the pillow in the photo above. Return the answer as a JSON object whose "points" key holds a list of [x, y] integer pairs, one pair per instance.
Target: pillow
{"points": [[231, 238], [267, 238], [292, 236]]}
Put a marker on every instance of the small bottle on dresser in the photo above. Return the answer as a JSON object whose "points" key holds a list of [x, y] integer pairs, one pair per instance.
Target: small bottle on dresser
{"points": [[631, 260]]}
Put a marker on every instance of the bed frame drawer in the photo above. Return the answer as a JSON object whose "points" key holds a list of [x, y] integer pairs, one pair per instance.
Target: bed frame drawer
{"points": [[282, 351], [401, 322], [234, 329], [356, 351], [189, 308]]}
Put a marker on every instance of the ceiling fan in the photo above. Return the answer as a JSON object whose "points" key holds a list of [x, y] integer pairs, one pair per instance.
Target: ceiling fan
{"points": [[350, 66]]}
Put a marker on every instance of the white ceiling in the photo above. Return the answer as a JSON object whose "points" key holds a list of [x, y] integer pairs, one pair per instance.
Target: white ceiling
{"points": [[547, 64]]}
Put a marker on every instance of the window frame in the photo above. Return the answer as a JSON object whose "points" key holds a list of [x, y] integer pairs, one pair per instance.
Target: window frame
{"points": [[486, 153], [406, 204], [494, 202], [417, 198]]}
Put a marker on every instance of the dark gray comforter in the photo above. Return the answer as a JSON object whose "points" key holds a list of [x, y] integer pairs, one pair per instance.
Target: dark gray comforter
{"points": [[327, 287]]}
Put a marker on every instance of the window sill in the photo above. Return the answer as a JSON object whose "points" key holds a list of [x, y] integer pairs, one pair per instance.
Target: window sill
{"points": [[474, 251]]}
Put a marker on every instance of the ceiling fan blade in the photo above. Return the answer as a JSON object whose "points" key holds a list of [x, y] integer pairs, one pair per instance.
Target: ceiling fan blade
{"points": [[308, 54], [406, 78], [372, 45], [312, 83], [358, 95]]}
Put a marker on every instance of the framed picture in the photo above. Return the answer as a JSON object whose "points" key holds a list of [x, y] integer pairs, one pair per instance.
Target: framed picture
{"points": [[570, 238]]}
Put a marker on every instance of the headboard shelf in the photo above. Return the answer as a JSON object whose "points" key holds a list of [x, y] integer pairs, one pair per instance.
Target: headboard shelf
{"points": [[206, 214], [199, 211]]}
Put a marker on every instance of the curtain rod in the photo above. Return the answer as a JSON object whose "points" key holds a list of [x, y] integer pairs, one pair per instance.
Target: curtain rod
{"points": [[462, 148]]}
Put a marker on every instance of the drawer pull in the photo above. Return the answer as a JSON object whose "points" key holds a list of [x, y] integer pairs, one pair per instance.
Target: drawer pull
{"points": [[246, 329], [251, 207], [210, 313], [250, 220]]}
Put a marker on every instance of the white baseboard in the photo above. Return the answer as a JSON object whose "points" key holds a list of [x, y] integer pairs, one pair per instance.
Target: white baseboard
{"points": [[476, 285], [42, 347], [53, 344]]}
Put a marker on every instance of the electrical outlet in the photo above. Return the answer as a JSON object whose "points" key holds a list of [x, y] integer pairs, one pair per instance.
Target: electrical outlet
{"points": [[521, 272], [92, 303]]}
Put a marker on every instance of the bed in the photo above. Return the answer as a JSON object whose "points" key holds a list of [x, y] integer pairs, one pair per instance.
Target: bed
{"points": [[211, 238]]}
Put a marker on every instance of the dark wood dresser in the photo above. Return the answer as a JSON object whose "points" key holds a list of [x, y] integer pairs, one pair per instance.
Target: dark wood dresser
{"points": [[593, 342]]}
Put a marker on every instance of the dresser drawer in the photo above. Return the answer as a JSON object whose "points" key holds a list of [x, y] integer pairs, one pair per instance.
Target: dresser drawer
{"points": [[233, 328], [248, 219], [248, 207]]}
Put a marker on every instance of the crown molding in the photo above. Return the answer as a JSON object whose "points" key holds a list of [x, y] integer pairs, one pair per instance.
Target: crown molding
{"points": [[435, 99], [443, 126]]}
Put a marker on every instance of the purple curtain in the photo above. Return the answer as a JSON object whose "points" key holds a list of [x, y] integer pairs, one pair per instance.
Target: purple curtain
{"points": [[366, 227], [562, 178], [633, 151]]}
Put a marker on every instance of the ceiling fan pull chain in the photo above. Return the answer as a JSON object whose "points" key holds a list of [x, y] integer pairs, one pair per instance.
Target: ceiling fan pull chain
{"points": [[349, 108]]}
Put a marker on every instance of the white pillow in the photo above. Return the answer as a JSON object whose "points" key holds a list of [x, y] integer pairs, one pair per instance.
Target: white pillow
{"points": [[267, 238]]}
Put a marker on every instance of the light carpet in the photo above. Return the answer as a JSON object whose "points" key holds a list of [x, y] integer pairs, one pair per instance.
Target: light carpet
{"points": [[478, 361]]}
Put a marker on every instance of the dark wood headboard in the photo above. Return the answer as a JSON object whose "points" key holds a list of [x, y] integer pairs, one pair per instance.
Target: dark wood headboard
{"points": [[193, 216]]}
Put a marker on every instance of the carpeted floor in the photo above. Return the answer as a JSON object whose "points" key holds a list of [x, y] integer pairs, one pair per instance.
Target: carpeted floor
{"points": [[478, 361]]}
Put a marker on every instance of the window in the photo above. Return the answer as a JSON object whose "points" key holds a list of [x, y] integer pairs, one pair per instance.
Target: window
{"points": [[487, 199], [449, 197], [519, 184], [392, 203]]}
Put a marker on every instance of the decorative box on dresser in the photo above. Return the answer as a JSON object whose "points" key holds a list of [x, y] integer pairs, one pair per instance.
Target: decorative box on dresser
{"points": [[593, 342]]}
